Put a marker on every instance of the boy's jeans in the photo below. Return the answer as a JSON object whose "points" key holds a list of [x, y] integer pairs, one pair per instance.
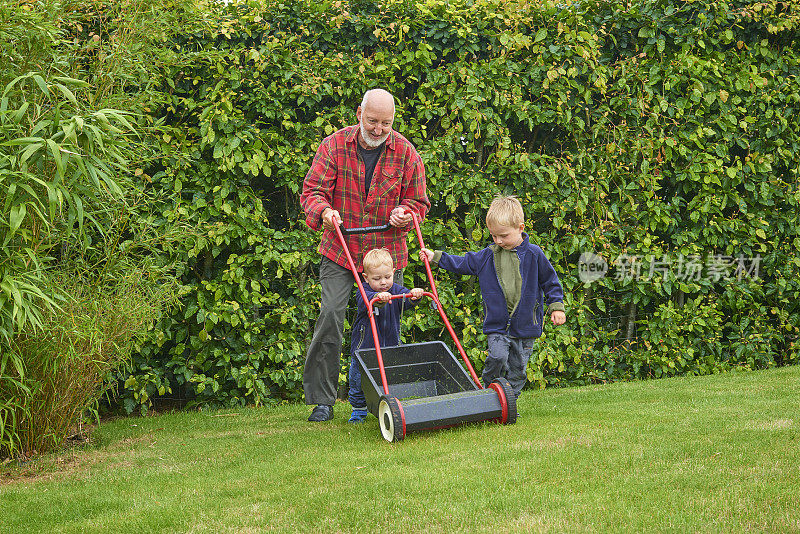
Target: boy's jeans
{"points": [[355, 394], [508, 357]]}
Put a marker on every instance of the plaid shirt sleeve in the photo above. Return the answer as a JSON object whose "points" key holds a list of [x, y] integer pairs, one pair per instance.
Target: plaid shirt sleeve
{"points": [[319, 185], [413, 194]]}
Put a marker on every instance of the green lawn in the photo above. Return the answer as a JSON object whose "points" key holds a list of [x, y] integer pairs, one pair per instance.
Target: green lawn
{"points": [[710, 454]]}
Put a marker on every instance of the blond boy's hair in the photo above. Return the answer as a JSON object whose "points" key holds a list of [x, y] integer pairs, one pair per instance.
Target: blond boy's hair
{"points": [[377, 257], [505, 211]]}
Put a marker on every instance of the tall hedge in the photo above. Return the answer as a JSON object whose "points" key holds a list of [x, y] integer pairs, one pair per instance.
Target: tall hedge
{"points": [[659, 133]]}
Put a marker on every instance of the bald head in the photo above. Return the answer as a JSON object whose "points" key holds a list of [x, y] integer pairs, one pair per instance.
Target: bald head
{"points": [[378, 98], [375, 116]]}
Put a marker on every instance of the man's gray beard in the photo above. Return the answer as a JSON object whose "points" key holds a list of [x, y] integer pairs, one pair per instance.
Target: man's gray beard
{"points": [[369, 142]]}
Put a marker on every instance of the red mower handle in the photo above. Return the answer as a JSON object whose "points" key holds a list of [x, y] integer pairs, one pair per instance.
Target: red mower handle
{"points": [[440, 308], [433, 294], [403, 296]]}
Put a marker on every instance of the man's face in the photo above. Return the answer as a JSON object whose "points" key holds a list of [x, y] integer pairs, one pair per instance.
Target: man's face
{"points": [[506, 237], [380, 278], [375, 122]]}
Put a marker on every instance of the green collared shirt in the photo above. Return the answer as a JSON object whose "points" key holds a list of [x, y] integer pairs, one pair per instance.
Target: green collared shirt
{"points": [[506, 263]]}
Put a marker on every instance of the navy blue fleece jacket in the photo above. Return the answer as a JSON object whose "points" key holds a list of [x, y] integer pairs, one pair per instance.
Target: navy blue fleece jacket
{"points": [[540, 287], [387, 319]]}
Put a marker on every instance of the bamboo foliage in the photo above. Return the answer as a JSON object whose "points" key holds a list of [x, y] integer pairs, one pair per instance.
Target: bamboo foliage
{"points": [[58, 161], [80, 265]]}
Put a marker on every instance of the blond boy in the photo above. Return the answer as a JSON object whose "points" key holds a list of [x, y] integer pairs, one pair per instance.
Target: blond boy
{"points": [[379, 277], [517, 281]]}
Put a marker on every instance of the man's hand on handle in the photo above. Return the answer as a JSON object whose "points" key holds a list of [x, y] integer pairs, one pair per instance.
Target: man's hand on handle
{"points": [[400, 217], [328, 216]]}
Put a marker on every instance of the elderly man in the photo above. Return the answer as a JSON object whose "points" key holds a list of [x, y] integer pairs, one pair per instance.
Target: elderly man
{"points": [[362, 175]]}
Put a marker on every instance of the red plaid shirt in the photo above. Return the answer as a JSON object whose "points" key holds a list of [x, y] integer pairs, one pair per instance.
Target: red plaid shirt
{"points": [[336, 180]]}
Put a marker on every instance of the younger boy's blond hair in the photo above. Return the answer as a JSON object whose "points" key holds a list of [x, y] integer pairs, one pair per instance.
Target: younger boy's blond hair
{"points": [[377, 257], [505, 211]]}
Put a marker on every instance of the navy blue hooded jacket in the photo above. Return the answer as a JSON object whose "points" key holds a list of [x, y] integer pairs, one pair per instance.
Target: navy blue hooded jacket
{"points": [[387, 319], [540, 287]]}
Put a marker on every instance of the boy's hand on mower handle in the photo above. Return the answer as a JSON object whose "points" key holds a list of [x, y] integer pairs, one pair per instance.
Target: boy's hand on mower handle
{"points": [[426, 252], [416, 293], [384, 296], [328, 216]]}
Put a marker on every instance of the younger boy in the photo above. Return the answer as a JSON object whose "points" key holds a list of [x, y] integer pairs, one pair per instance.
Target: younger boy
{"points": [[379, 277], [513, 274]]}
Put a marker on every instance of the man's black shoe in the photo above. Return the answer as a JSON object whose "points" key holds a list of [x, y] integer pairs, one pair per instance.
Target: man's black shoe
{"points": [[322, 412]]}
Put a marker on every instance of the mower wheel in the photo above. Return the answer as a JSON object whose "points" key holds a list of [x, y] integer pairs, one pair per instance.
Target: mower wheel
{"points": [[390, 419], [507, 397]]}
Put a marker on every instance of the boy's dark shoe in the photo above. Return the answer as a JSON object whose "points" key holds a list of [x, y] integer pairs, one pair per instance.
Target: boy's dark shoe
{"points": [[322, 412], [358, 415]]}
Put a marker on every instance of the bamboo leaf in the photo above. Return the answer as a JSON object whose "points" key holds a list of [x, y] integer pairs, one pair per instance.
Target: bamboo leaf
{"points": [[13, 82], [23, 141], [56, 151], [52, 200], [67, 93], [119, 117], [41, 83], [71, 81], [93, 175], [78, 205], [30, 191], [17, 115], [10, 196], [29, 151], [69, 132], [41, 126], [16, 216]]}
